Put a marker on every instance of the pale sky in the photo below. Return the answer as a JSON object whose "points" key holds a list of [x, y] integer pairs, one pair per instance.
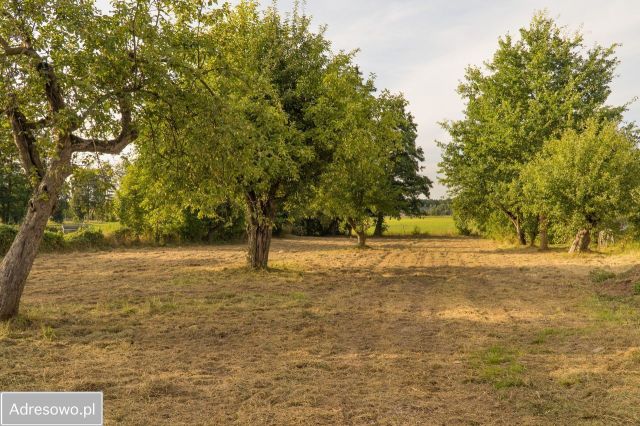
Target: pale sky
{"points": [[421, 47]]}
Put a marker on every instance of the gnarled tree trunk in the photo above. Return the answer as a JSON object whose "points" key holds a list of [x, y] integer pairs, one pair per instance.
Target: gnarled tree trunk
{"points": [[379, 225], [260, 220], [17, 263], [581, 242], [360, 233]]}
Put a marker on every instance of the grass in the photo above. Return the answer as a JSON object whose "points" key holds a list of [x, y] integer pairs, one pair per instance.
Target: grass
{"points": [[427, 331], [500, 367], [107, 228], [430, 225], [601, 275]]}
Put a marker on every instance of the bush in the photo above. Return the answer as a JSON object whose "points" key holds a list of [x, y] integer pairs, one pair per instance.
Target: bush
{"points": [[52, 241], [123, 236], [85, 239], [7, 234]]}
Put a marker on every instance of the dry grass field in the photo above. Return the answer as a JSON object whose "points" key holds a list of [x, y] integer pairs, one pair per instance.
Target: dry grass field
{"points": [[409, 332]]}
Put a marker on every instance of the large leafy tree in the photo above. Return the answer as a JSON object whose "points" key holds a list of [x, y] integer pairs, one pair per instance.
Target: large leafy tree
{"points": [[532, 91], [585, 181], [69, 81], [237, 128]]}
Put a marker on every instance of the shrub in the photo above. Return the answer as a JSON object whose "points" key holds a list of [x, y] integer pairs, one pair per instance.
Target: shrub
{"points": [[636, 289], [52, 241], [85, 239], [7, 234], [123, 236]]}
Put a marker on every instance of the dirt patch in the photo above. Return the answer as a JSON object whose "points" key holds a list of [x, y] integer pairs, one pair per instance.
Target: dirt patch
{"points": [[412, 331]]}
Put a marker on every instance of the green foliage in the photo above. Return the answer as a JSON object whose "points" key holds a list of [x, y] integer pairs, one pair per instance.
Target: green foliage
{"points": [[85, 239], [238, 136], [148, 211], [585, 180], [532, 91], [52, 241], [91, 192], [7, 235], [356, 184], [123, 236]]}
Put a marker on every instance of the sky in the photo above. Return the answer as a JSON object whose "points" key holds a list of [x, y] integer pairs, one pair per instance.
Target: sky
{"points": [[422, 47]]}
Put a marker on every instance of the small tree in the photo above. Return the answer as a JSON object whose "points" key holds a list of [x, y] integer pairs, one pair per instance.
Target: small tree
{"points": [[92, 190], [406, 178], [357, 185], [585, 180], [15, 187]]}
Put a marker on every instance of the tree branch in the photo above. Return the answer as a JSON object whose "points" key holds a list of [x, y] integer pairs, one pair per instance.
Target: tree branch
{"points": [[52, 89], [25, 142], [109, 146]]}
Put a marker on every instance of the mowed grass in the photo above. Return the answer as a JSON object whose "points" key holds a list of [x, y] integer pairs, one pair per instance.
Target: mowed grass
{"points": [[411, 331], [439, 226]]}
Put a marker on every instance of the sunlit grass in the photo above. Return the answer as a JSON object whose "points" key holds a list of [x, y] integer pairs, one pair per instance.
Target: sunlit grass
{"points": [[429, 225]]}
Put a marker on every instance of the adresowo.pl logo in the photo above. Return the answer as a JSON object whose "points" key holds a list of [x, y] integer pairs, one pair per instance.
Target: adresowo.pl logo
{"points": [[51, 408]]}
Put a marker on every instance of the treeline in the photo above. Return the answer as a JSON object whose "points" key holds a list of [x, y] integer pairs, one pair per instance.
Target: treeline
{"points": [[235, 112], [540, 155]]}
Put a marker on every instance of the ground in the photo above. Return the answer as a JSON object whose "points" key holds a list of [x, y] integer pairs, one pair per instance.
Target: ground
{"points": [[410, 331]]}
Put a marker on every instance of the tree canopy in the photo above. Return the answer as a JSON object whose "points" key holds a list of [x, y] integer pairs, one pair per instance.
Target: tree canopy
{"points": [[534, 89]]}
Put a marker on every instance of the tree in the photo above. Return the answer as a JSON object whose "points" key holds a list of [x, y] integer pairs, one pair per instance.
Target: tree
{"points": [[69, 82], [532, 91], [92, 191], [585, 180], [405, 178], [237, 128], [367, 134]]}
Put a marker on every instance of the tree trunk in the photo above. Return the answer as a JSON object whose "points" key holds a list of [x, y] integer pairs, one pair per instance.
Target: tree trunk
{"points": [[515, 220], [581, 242], [361, 232], [17, 263], [362, 239], [259, 237], [522, 238], [261, 216], [379, 226], [544, 232]]}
